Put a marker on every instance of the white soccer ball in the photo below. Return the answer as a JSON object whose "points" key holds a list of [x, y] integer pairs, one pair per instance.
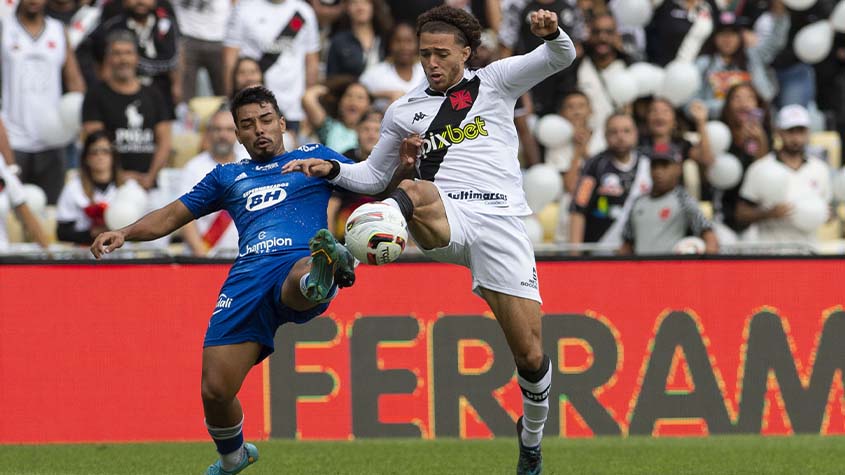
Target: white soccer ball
{"points": [[376, 233]]}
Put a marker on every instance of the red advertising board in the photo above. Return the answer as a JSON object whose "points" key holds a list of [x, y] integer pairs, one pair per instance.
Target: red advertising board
{"points": [[644, 347]]}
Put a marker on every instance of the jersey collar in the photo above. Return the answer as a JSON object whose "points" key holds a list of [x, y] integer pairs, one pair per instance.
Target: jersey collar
{"points": [[463, 82]]}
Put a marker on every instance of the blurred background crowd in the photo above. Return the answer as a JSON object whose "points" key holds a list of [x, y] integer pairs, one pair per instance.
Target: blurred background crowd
{"points": [[684, 126]]}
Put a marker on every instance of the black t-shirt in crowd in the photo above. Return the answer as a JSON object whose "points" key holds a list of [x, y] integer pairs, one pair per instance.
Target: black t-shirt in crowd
{"points": [[601, 193], [130, 118]]}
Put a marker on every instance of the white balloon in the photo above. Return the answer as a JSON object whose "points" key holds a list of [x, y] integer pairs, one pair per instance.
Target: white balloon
{"points": [[621, 88], [70, 110], [725, 173], [719, 136], [52, 131], [542, 184], [814, 41], [122, 213], [799, 5], [690, 245], [681, 82], [533, 228], [36, 199], [648, 76], [632, 12], [809, 212], [131, 192], [553, 131], [839, 186], [837, 18], [772, 179]]}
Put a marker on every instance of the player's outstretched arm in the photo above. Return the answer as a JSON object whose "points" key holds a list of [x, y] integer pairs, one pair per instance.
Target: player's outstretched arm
{"points": [[517, 74], [154, 225]]}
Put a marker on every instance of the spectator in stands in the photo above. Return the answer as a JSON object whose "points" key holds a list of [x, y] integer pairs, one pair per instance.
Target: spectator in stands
{"points": [[137, 115], [747, 116], [678, 29], [36, 58], [488, 12], [62, 10], [202, 24], [609, 184], [80, 214], [601, 58], [661, 127], [806, 173], [343, 202], [334, 111], [327, 11], [400, 71], [246, 73], [585, 143], [156, 36], [214, 233], [359, 38], [405, 11], [547, 94], [730, 61], [511, 22], [661, 218], [285, 40], [13, 198]]}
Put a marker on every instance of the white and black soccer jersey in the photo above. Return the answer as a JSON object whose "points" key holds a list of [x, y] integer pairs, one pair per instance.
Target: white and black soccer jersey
{"points": [[656, 224], [470, 143]]}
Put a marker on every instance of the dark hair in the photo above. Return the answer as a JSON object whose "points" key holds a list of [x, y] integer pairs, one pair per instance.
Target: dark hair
{"points": [[392, 34], [446, 19], [253, 95], [382, 20], [371, 114], [761, 103], [570, 93], [120, 36], [337, 87], [85, 173], [241, 60]]}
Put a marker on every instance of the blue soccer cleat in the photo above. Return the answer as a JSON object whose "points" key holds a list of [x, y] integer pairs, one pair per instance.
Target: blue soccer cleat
{"points": [[250, 457], [330, 263], [530, 458]]}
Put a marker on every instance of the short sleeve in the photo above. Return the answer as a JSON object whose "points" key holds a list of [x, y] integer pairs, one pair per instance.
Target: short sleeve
{"points": [[696, 221], [205, 197], [90, 106]]}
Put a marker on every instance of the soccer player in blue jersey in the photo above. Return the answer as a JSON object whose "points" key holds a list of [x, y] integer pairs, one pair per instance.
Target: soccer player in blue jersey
{"points": [[287, 270]]}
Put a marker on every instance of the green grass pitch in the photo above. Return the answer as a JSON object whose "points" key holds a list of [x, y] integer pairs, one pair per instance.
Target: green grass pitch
{"points": [[634, 455]]}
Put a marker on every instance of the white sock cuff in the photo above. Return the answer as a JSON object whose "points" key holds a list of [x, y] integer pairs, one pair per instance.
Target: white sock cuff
{"points": [[223, 433]]}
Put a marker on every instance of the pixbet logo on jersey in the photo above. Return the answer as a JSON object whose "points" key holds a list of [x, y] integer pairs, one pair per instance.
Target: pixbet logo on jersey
{"points": [[265, 196], [453, 135]]}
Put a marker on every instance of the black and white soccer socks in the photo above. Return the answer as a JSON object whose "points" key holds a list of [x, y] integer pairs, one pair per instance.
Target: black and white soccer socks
{"points": [[399, 199], [229, 442], [535, 388]]}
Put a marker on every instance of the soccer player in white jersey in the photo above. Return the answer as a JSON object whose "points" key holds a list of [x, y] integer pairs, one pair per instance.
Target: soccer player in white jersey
{"points": [[466, 203]]}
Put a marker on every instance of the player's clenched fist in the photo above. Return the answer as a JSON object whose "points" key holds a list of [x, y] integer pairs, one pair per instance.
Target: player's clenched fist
{"points": [[106, 243], [543, 23]]}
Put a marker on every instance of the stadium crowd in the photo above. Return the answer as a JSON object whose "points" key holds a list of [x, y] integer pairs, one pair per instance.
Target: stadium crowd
{"points": [[684, 126]]}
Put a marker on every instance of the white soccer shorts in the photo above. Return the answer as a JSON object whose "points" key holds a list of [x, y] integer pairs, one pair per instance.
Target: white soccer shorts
{"points": [[496, 249]]}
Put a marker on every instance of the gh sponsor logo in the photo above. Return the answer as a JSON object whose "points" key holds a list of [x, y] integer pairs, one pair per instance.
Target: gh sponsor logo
{"points": [[453, 135], [264, 197]]}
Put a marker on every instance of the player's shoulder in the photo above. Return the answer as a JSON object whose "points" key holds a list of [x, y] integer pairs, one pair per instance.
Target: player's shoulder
{"points": [[317, 150]]}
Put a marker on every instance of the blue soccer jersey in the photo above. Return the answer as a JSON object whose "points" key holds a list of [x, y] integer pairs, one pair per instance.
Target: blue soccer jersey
{"points": [[276, 214], [273, 212]]}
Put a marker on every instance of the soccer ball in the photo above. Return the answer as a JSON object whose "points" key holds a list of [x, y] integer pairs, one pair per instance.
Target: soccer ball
{"points": [[376, 233]]}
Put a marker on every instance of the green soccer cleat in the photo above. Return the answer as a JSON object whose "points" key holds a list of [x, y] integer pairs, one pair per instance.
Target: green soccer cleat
{"points": [[250, 457], [330, 263], [530, 458]]}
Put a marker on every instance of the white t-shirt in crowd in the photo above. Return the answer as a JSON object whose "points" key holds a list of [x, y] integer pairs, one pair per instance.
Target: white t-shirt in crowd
{"points": [[812, 177], [32, 81], [203, 19], [382, 78], [278, 35], [11, 196], [192, 173], [73, 201]]}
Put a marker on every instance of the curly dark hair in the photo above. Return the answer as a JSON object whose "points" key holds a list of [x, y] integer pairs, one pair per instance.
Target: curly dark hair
{"points": [[445, 19], [253, 95]]}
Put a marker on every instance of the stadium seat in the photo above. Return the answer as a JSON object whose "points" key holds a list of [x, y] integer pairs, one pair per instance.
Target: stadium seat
{"points": [[829, 141], [185, 147], [203, 107]]}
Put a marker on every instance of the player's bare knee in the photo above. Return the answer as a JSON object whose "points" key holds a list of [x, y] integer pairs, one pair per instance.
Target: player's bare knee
{"points": [[216, 391], [529, 359]]}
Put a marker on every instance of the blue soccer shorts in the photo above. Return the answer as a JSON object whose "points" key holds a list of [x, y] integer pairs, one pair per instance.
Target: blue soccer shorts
{"points": [[249, 306]]}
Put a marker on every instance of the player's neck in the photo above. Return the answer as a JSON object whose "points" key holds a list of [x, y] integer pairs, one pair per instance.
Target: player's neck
{"points": [[32, 23]]}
